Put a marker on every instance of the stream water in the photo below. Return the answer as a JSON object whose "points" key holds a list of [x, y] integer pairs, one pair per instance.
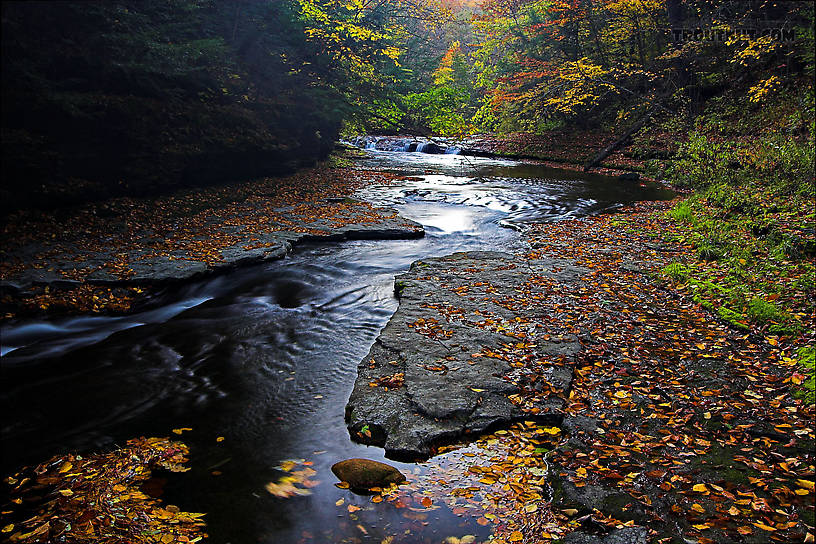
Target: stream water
{"points": [[266, 356]]}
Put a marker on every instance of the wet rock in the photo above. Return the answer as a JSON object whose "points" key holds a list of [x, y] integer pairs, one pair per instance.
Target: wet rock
{"points": [[433, 149], [629, 176], [238, 255], [446, 392], [10, 287], [161, 269], [627, 535], [365, 473]]}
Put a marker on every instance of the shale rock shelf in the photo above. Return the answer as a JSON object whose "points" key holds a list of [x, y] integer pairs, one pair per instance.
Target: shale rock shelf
{"points": [[224, 243], [443, 367]]}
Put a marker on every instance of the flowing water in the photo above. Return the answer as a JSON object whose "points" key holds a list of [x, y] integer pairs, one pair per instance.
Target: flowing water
{"points": [[266, 356]]}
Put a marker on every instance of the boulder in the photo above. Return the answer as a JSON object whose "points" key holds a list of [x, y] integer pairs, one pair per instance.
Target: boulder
{"points": [[365, 473]]}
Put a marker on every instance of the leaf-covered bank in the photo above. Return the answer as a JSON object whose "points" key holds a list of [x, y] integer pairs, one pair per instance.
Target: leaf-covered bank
{"points": [[674, 423]]}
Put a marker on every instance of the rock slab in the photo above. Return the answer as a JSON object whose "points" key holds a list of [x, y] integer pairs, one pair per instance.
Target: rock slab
{"points": [[437, 372]]}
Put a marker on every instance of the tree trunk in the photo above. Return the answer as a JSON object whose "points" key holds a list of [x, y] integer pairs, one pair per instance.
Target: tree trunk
{"points": [[608, 150]]}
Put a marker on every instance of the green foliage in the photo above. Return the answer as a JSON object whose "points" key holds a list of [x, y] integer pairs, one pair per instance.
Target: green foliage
{"points": [[136, 97], [678, 272], [441, 108], [710, 250], [711, 163], [682, 212], [702, 162], [807, 360], [763, 311], [731, 317]]}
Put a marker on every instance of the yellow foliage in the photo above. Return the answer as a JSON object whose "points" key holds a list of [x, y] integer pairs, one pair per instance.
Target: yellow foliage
{"points": [[763, 89]]}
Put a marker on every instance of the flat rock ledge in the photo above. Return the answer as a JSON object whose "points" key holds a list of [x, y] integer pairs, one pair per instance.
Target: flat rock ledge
{"points": [[233, 245], [442, 368]]}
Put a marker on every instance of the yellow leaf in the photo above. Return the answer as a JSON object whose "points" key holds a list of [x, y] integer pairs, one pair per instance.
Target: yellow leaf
{"points": [[287, 466], [700, 488], [477, 390], [515, 536], [8, 528], [807, 484], [181, 430], [66, 492], [763, 526]]}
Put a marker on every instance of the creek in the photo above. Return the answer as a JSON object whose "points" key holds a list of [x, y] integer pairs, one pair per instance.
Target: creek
{"points": [[266, 356]]}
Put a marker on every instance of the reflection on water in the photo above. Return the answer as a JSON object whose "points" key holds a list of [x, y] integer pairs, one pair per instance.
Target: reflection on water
{"points": [[266, 356]]}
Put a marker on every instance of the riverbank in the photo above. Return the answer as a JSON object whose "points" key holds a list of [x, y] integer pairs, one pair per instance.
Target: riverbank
{"points": [[670, 419], [112, 256]]}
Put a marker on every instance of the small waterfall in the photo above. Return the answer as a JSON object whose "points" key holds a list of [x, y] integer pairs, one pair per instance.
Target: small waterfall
{"points": [[452, 151], [371, 144], [421, 146]]}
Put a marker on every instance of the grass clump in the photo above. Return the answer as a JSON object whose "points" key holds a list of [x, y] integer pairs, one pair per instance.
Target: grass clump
{"points": [[807, 360], [678, 272], [682, 212], [765, 312]]}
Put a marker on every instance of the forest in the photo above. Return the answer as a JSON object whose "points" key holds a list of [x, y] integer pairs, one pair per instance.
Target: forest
{"points": [[408, 271]]}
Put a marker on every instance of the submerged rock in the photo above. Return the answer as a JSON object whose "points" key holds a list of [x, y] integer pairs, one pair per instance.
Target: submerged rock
{"points": [[365, 473], [629, 176]]}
